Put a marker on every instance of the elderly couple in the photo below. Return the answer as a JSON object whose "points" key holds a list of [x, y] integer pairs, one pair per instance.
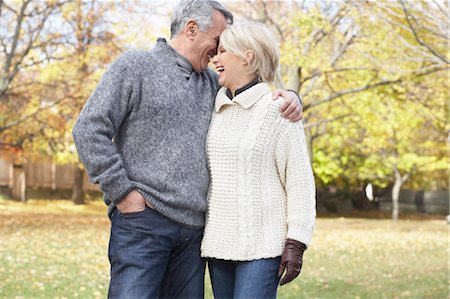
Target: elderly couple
{"points": [[168, 147]]}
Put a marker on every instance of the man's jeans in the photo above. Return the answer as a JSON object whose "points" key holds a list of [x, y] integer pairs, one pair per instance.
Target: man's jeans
{"points": [[244, 280], [154, 257]]}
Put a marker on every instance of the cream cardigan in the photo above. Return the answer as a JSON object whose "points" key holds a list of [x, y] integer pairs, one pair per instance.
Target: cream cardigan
{"points": [[262, 188]]}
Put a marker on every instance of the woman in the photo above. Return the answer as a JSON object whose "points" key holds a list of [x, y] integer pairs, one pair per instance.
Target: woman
{"points": [[261, 210]]}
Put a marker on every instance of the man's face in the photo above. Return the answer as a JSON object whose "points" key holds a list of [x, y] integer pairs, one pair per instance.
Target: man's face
{"points": [[206, 42]]}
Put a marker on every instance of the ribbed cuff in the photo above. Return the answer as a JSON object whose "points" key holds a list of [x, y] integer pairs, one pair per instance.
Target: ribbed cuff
{"points": [[300, 234], [118, 191]]}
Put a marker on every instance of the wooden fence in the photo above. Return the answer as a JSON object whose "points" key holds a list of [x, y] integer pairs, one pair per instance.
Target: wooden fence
{"points": [[40, 174], [45, 174]]}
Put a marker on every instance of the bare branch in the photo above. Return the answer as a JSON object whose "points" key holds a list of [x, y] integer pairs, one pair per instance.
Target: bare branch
{"points": [[10, 8], [334, 22], [342, 93], [309, 88], [348, 41], [31, 115], [444, 12], [271, 21], [325, 121], [11, 69], [407, 17], [349, 91], [16, 37]]}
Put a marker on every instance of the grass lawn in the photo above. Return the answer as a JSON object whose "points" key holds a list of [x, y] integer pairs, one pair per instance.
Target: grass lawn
{"points": [[53, 249]]}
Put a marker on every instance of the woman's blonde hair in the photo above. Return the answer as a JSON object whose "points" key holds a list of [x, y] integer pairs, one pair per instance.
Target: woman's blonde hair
{"points": [[238, 39]]}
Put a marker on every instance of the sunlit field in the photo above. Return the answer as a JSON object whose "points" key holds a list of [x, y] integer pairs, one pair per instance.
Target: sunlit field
{"points": [[53, 249]]}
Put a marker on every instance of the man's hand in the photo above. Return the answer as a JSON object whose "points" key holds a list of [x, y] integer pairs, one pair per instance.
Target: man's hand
{"points": [[132, 203], [291, 108], [291, 260]]}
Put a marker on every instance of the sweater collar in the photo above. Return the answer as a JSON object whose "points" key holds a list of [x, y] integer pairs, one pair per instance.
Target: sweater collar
{"points": [[246, 99], [182, 62], [243, 88]]}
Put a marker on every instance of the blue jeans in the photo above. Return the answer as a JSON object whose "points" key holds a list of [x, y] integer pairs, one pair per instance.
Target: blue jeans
{"points": [[252, 279], [154, 257]]}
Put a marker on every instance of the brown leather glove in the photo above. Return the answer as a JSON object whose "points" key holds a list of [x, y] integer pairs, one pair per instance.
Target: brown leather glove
{"points": [[291, 260]]}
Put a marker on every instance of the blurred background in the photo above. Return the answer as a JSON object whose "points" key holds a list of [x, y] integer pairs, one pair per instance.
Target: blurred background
{"points": [[374, 79]]}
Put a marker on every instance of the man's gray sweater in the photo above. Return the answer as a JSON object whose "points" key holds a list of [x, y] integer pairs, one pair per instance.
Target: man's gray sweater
{"points": [[144, 128]]}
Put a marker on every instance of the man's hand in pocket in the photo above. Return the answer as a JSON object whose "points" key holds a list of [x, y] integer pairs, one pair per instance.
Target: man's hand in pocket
{"points": [[132, 203]]}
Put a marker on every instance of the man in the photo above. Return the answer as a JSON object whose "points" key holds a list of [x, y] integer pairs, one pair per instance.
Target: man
{"points": [[142, 137]]}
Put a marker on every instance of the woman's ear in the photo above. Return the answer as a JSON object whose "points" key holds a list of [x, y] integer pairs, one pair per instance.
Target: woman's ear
{"points": [[249, 55], [191, 29]]}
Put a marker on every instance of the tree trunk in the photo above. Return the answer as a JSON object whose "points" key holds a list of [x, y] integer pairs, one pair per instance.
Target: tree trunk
{"points": [[396, 195], [399, 181], [53, 175], [294, 78], [19, 186], [309, 145], [77, 189]]}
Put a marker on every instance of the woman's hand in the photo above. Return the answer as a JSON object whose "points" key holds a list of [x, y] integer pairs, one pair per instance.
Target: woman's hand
{"points": [[291, 260]]}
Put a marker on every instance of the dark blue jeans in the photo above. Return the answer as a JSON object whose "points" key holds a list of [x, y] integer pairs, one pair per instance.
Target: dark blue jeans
{"points": [[154, 257], [244, 280]]}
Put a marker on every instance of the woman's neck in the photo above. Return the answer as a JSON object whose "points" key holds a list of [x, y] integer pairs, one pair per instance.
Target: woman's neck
{"points": [[244, 81]]}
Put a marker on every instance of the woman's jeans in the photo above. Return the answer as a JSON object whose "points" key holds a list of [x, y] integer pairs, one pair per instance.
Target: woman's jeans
{"points": [[249, 279], [154, 257]]}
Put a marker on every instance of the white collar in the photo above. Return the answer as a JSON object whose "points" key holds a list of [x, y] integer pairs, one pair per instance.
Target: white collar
{"points": [[246, 99]]}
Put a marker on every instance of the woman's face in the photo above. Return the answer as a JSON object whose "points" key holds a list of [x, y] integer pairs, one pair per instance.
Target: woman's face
{"points": [[231, 69]]}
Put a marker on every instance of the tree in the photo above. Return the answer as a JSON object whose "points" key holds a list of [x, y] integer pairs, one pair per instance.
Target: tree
{"points": [[52, 63], [356, 64], [91, 46], [61, 49], [414, 115], [27, 41]]}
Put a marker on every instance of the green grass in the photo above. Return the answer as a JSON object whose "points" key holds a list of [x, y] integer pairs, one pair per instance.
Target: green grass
{"points": [[52, 249]]}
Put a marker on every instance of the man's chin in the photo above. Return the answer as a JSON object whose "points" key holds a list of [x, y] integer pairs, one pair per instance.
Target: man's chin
{"points": [[199, 70]]}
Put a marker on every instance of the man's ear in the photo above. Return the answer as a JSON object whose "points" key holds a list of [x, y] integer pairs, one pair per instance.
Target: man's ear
{"points": [[248, 56], [191, 29]]}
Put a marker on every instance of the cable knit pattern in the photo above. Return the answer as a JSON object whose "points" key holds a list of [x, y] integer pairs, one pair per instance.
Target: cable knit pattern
{"points": [[262, 188]]}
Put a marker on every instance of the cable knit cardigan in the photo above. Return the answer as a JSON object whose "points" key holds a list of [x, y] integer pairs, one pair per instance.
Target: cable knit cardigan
{"points": [[262, 188]]}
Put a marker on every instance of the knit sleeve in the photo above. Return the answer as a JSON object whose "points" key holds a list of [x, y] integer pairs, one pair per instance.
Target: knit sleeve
{"points": [[295, 173], [99, 122]]}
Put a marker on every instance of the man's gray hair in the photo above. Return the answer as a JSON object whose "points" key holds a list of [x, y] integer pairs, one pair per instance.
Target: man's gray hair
{"points": [[199, 10]]}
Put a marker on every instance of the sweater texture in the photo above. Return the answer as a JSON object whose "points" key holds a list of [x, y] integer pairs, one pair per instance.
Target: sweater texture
{"points": [[262, 187], [144, 128]]}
